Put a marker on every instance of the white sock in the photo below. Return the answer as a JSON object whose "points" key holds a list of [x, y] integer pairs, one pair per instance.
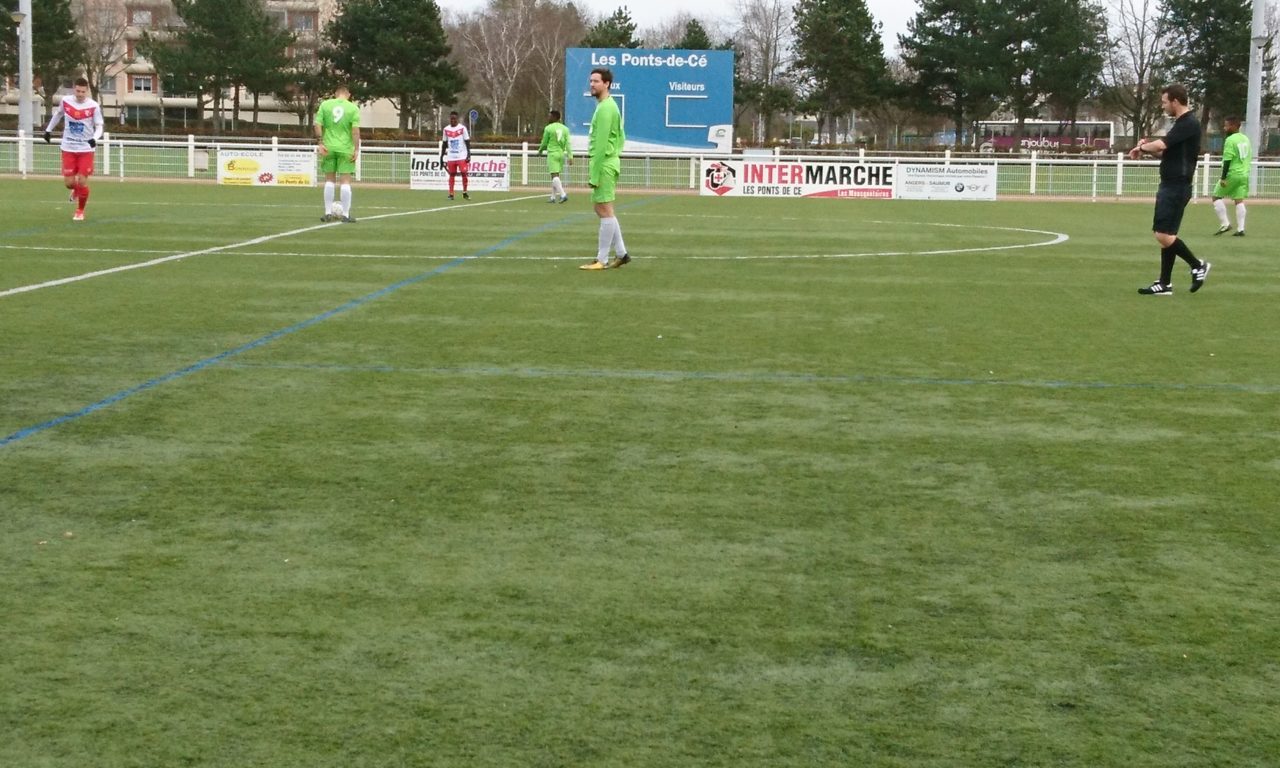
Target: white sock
{"points": [[1220, 208], [346, 198], [328, 197], [605, 239], [618, 246], [1239, 217], [557, 189]]}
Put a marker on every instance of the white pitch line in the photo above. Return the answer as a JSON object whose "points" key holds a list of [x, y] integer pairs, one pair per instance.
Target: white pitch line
{"points": [[254, 241], [1056, 238]]}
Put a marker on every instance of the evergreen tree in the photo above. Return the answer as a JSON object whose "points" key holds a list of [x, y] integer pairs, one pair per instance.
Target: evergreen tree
{"points": [[948, 49], [695, 37], [614, 31], [1075, 54], [838, 50], [1209, 47], [263, 65], [220, 45], [393, 49]]}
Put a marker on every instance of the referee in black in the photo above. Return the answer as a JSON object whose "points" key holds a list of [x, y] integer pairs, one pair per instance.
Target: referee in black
{"points": [[1178, 152]]}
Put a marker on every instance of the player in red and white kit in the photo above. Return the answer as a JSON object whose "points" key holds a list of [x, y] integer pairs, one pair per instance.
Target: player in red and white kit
{"points": [[79, 139], [455, 153]]}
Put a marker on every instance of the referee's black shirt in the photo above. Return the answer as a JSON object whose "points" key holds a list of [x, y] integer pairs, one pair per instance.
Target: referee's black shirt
{"points": [[1181, 150]]}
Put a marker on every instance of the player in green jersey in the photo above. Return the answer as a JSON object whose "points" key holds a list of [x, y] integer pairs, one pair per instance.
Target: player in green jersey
{"points": [[1237, 156], [604, 147], [555, 143], [338, 134]]}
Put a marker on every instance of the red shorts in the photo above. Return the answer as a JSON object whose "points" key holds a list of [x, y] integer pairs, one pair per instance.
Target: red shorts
{"points": [[455, 167], [77, 163]]}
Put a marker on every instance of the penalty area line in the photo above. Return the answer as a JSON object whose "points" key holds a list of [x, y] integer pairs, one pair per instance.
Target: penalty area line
{"points": [[242, 244], [271, 337]]}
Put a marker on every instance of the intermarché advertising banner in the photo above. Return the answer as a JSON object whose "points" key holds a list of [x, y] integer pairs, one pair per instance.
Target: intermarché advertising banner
{"points": [[266, 168], [794, 178], [490, 173]]}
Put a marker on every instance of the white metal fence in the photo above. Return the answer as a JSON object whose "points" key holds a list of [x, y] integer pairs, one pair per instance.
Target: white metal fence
{"points": [[192, 157]]}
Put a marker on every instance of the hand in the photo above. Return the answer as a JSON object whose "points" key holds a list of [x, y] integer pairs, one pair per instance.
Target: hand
{"points": [[322, 149], [48, 137], [93, 143]]}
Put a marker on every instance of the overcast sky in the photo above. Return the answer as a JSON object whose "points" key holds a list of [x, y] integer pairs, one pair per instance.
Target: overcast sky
{"points": [[893, 14]]}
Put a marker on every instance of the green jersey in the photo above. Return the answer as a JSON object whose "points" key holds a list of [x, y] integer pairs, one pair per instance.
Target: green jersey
{"points": [[337, 119], [604, 143], [555, 140], [1237, 155]]}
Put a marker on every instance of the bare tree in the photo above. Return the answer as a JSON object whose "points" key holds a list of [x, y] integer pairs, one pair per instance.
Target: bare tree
{"points": [[494, 45], [557, 26], [669, 31], [887, 119], [101, 25], [763, 40], [1132, 71]]}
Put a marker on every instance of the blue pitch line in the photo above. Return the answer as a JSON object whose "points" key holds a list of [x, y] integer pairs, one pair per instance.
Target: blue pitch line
{"points": [[22, 434], [759, 378]]}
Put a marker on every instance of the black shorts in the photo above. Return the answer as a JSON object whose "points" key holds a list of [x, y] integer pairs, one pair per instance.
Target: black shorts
{"points": [[1171, 201]]}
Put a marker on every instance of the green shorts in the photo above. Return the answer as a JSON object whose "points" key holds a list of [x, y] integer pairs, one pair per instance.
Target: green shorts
{"points": [[604, 192], [1232, 187], [555, 164], [337, 162]]}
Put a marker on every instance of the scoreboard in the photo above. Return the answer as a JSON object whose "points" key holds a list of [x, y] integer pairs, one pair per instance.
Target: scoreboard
{"points": [[676, 100]]}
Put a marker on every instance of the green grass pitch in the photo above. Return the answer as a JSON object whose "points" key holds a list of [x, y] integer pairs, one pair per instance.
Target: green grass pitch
{"points": [[809, 483]]}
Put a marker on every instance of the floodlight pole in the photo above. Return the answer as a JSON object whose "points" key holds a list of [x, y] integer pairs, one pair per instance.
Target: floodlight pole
{"points": [[1253, 114], [26, 115]]}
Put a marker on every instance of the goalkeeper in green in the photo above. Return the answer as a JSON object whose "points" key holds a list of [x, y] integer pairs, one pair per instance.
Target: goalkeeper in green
{"points": [[1237, 156], [555, 143]]}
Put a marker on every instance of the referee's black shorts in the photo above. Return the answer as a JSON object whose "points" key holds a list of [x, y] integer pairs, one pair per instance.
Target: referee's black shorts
{"points": [[1171, 201]]}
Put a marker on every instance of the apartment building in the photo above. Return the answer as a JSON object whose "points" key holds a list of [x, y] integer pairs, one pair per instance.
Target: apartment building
{"points": [[130, 88]]}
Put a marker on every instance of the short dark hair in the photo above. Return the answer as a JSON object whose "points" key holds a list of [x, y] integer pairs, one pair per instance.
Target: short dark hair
{"points": [[1232, 119], [82, 81], [555, 114], [453, 114], [604, 74], [1176, 92]]}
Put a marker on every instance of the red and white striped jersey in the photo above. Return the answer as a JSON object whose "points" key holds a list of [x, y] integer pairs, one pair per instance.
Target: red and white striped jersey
{"points": [[84, 122], [455, 142]]}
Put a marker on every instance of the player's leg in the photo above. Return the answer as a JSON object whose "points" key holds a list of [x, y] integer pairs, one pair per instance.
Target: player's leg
{"points": [[609, 180], [69, 168], [464, 168], [555, 164], [82, 187], [451, 168], [1164, 226], [1171, 202], [76, 168], [1238, 190], [344, 192], [1220, 208], [328, 165], [604, 232]]}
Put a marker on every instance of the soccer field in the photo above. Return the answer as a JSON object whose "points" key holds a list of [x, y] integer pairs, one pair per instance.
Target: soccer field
{"points": [[809, 483]]}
